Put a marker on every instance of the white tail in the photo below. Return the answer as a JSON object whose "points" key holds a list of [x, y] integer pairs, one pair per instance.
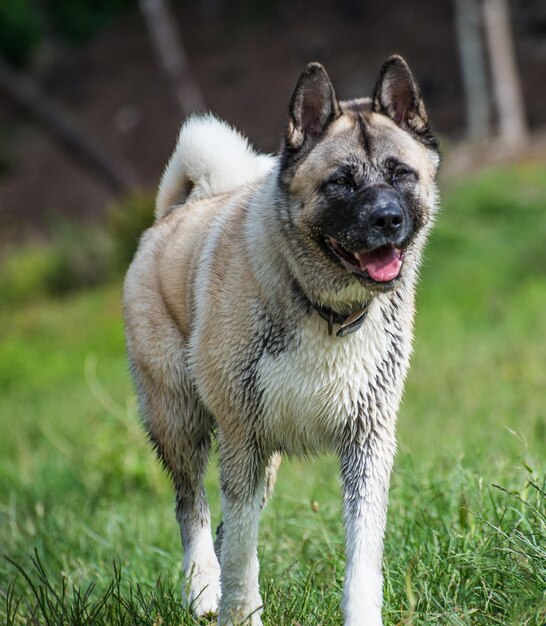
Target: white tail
{"points": [[210, 157]]}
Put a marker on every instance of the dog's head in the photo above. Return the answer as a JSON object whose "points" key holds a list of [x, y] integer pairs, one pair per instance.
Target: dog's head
{"points": [[359, 185]]}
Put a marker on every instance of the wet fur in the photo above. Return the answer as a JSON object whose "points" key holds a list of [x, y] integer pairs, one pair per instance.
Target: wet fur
{"points": [[223, 336]]}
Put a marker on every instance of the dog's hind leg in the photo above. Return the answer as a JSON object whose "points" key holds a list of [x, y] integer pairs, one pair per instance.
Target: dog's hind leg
{"points": [[271, 476], [181, 430]]}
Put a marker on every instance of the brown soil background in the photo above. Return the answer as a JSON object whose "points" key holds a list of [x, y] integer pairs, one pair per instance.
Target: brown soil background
{"points": [[246, 62]]}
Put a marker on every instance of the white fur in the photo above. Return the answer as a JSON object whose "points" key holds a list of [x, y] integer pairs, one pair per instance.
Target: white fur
{"points": [[201, 588], [210, 158], [310, 393], [241, 600]]}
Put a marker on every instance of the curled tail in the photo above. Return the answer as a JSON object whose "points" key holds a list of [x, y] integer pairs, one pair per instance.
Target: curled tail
{"points": [[210, 157]]}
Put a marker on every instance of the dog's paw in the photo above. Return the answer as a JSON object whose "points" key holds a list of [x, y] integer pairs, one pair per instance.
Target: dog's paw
{"points": [[251, 620], [241, 615], [365, 617], [201, 589]]}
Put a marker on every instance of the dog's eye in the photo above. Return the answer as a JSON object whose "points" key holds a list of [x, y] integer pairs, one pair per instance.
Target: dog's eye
{"points": [[341, 182], [401, 173]]}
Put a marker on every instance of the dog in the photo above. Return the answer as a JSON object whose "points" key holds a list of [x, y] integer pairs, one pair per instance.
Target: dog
{"points": [[271, 305]]}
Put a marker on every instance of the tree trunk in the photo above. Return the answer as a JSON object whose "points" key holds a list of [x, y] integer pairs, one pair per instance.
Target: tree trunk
{"points": [[168, 45], [506, 84], [64, 129], [474, 72]]}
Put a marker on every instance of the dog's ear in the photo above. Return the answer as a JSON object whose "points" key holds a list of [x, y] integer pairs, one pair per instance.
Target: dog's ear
{"points": [[397, 95], [313, 107]]}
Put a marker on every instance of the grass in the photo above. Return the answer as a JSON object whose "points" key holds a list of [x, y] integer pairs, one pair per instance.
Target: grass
{"points": [[86, 515]]}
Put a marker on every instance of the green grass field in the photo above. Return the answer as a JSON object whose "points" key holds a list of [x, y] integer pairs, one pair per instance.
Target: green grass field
{"points": [[87, 527]]}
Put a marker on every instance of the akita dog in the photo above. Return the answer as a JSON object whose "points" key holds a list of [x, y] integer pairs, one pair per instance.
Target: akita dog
{"points": [[272, 304]]}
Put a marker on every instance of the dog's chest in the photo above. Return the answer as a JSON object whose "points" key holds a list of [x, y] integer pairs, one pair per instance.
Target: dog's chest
{"points": [[313, 388]]}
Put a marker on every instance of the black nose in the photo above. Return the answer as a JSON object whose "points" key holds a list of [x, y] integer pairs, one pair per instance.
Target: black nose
{"points": [[387, 218]]}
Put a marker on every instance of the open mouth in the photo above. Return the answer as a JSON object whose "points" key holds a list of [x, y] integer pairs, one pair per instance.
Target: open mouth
{"points": [[381, 264]]}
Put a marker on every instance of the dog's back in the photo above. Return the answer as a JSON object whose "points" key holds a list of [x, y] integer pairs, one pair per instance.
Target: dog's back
{"points": [[211, 161]]}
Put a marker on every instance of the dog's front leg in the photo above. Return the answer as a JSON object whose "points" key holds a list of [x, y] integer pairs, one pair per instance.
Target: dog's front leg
{"points": [[243, 487], [366, 464]]}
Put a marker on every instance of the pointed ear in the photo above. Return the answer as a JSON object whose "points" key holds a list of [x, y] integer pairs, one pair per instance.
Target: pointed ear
{"points": [[313, 107], [397, 96]]}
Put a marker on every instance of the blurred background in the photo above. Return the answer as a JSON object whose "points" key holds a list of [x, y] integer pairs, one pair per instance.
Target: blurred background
{"points": [[92, 92]]}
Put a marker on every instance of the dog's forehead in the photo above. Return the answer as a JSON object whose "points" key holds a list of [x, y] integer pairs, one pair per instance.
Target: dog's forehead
{"points": [[369, 137]]}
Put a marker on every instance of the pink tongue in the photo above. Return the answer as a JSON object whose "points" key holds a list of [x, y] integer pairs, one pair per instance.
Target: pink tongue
{"points": [[382, 265]]}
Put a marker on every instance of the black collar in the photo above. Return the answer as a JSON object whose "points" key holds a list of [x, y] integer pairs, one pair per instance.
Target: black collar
{"points": [[348, 323]]}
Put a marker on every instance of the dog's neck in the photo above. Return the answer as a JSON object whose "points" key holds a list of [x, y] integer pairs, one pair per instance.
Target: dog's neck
{"points": [[348, 322]]}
